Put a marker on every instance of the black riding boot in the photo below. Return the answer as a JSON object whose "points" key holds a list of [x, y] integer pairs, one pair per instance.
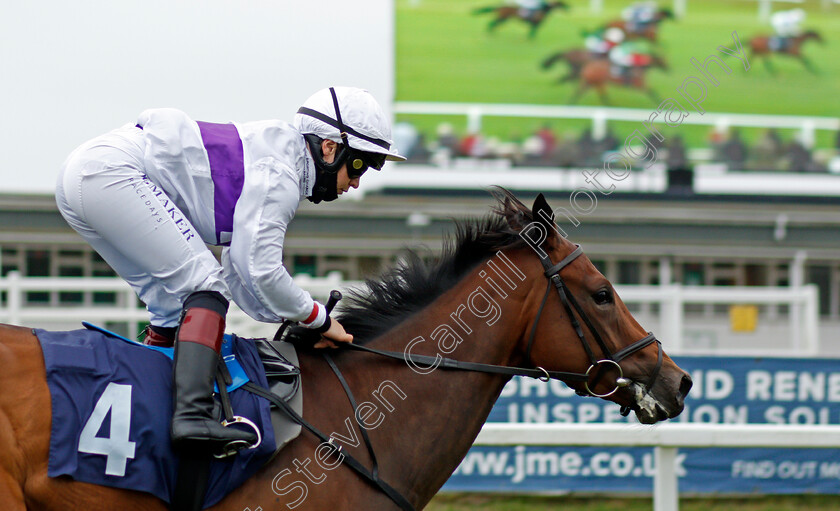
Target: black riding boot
{"points": [[197, 348]]}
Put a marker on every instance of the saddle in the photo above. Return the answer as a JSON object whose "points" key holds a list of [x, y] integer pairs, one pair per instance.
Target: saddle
{"points": [[638, 27], [622, 73], [529, 13], [282, 370]]}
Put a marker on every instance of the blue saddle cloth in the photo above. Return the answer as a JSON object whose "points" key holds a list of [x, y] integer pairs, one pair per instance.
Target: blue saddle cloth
{"points": [[111, 402], [778, 43]]}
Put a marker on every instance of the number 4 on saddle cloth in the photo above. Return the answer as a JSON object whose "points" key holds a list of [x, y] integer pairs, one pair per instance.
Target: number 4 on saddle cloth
{"points": [[111, 401]]}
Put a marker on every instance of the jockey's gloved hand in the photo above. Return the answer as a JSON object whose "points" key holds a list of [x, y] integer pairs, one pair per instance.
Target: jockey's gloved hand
{"points": [[302, 337]]}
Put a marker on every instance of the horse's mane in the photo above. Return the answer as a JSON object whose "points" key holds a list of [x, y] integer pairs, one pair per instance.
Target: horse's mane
{"points": [[413, 284]]}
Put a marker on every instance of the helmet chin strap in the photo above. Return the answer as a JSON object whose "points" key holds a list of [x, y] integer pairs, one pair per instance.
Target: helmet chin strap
{"points": [[326, 174]]}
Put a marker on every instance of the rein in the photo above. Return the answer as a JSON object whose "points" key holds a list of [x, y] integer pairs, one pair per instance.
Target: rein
{"points": [[449, 363]]}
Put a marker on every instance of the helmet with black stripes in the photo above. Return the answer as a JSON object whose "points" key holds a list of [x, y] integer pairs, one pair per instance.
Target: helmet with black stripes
{"points": [[352, 118]]}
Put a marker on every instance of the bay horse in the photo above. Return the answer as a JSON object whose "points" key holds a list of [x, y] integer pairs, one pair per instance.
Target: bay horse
{"points": [[760, 47], [534, 17], [509, 291], [648, 31], [576, 58], [598, 74]]}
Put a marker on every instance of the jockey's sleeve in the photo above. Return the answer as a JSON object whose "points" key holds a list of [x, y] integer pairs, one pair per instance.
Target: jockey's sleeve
{"points": [[253, 264]]}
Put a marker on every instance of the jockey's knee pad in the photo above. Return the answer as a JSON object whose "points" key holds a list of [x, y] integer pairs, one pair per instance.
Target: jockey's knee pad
{"points": [[212, 300], [203, 319]]}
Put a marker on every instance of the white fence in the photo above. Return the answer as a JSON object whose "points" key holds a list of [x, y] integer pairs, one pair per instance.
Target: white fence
{"points": [[601, 115], [665, 439], [802, 318], [717, 179], [681, 6], [795, 333], [125, 308], [713, 179]]}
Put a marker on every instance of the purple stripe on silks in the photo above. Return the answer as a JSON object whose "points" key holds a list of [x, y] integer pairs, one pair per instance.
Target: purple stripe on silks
{"points": [[227, 168]]}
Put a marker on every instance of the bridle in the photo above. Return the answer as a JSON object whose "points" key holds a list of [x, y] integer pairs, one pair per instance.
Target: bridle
{"points": [[552, 272]]}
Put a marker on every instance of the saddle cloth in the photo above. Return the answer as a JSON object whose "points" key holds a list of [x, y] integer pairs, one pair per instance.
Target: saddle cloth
{"points": [[778, 43], [111, 402]]}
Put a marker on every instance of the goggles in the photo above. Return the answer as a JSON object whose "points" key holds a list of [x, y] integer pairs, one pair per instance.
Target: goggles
{"points": [[359, 162]]}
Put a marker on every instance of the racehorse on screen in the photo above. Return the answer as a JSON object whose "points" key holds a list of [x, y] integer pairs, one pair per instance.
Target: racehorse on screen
{"points": [[508, 293]]}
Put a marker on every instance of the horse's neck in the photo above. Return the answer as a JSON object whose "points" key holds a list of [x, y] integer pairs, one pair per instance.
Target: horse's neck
{"points": [[431, 429]]}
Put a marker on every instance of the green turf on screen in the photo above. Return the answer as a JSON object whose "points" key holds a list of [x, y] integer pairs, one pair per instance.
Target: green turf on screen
{"points": [[444, 53]]}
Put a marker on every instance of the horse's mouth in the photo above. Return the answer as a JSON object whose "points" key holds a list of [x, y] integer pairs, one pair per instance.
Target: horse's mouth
{"points": [[648, 409]]}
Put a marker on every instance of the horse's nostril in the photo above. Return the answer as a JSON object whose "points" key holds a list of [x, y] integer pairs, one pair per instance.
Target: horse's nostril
{"points": [[685, 385]]}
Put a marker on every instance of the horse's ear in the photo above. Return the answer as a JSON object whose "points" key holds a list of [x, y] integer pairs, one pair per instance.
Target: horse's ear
{"points": [[543, 212], [544, 215]]}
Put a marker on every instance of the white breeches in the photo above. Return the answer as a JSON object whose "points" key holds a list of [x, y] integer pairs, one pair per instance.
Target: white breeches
{"points": [[104, 194]]}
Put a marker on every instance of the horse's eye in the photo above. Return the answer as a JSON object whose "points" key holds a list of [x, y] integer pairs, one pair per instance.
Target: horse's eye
{"points": [[603, 297]]}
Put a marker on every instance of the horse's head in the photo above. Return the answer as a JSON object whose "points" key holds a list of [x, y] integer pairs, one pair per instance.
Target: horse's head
{"points": [[577, 323], [813, 34]]}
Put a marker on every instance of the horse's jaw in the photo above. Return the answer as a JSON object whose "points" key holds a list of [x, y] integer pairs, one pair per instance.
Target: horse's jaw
{"points": [[650, 410]]}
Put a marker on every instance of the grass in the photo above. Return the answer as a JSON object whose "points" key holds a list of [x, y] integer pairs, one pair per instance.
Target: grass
{"points": [[602, 503], [444, 53]]}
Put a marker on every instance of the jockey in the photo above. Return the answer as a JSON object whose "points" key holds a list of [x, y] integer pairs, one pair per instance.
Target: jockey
{"points": [[603, 40], [787, 25], [149, 197], [629, 55], [639, 15]]}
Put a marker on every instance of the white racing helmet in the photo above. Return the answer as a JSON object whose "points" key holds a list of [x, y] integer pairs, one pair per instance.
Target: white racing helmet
{"points": [[350, 116], [614, 35]]}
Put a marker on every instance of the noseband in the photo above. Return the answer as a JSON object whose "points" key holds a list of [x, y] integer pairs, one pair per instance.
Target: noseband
{"points": [[552, 272]]}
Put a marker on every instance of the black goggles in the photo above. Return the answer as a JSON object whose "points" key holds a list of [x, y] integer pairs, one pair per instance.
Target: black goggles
{"points": [[359, 162]]}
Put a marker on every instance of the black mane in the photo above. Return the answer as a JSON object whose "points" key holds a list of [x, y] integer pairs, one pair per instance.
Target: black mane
{"points": [[413, 284]]}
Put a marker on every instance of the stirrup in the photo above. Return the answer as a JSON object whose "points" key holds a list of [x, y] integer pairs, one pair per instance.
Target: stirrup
{"points": [[232, 448]]}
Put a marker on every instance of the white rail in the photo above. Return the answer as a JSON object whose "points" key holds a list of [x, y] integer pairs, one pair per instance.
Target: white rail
{"points": [[126, 308], [672, 298], [601, 115], [715, 178], [665, 439]]}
